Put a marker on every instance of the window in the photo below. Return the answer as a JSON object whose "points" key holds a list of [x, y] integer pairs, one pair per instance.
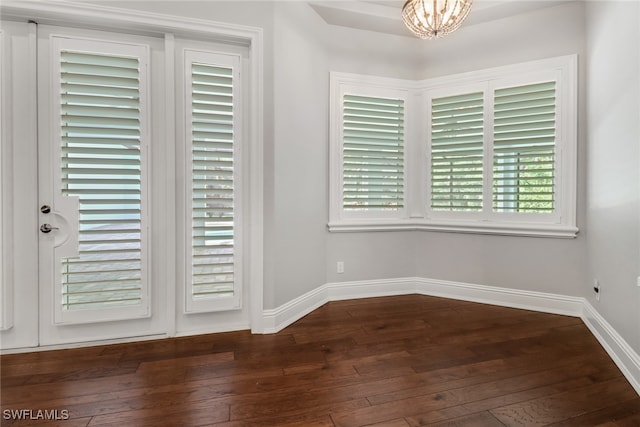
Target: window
{"points": [[524, 144], [372, 153], [369, 151], [457, 152], [494, 151], [500, 149], [101, 99], [212, 94]]}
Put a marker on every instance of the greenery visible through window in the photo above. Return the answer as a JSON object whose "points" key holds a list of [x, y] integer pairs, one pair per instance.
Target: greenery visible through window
{"points": [[524, 148], [457, 152]]}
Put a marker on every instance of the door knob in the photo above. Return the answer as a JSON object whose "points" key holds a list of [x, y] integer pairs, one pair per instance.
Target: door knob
{"points": [[46, 228]]}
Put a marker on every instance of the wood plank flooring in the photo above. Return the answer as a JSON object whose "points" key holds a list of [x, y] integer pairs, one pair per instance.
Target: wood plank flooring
{"points": [[394, 361]]}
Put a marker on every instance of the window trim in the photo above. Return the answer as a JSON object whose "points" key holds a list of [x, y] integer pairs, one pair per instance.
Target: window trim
{"points": [[419, 217], [443, 92], [342, 84], [233, 61]]}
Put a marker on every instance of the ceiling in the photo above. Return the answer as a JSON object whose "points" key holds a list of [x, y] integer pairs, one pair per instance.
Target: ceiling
{"points": [[384, 16]]}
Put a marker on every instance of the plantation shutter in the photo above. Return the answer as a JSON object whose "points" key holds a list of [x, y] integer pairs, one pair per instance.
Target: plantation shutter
{"points": [[457, 126], [524, 148], [101, 165], [213, 195], [373, 153]]}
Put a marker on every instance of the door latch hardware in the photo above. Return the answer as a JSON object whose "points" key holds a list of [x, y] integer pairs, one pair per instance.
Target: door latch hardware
{"points": [[46, 228], [45, 209]]}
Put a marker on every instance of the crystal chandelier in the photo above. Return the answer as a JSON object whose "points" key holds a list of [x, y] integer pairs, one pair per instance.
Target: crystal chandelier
{"points": [[431, 19]]}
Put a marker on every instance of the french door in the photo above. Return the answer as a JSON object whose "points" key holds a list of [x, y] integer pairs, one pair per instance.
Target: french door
{"points": [[139, 221], [94, 165]]}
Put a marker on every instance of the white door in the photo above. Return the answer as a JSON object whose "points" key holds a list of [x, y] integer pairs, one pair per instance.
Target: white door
{"points": [[96, 252], [131, 192]]}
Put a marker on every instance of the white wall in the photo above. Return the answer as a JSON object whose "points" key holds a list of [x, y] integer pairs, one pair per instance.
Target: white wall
{"points": [[613, 184], [296, 233], [377, 255], [550, 31], [304, 254]]}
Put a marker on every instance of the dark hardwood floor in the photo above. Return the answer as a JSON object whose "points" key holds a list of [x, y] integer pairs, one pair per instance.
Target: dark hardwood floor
{"points": [[393, 361]]}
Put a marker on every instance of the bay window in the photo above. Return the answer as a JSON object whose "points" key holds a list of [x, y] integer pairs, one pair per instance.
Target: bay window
{"points": [[498, 151]]}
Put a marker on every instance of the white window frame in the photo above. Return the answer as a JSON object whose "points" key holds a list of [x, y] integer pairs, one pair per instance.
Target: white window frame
{"points": [[114, 47], [561, 224], [441, 92], [350, 84], [560, 145], [233, 61]]}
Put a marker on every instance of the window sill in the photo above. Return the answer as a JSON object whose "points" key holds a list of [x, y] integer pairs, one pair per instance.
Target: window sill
{"points": [[472, 227]]}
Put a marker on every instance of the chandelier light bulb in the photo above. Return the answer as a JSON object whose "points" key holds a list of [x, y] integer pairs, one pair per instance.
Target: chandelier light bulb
{"points": [[431, 19]]}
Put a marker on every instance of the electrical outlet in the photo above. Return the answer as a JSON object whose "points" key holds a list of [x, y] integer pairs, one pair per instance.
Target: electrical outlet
{"points": [[596, 288], [340, 267]]}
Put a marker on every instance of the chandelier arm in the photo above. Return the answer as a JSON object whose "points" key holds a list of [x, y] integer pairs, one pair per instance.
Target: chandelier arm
{"points": [[437, 18]]}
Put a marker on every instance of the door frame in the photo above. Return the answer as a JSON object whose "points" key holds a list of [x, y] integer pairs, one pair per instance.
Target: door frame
{"points": [[19, 155], [107, 17]]}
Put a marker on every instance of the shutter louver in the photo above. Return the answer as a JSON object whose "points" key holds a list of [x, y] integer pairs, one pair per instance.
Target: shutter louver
{"points": [[373, 153], [212, 116], [101, 165], [524, 148], [457, 126]]}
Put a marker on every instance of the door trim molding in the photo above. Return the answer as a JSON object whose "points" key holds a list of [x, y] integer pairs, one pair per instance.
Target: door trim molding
{"points": [[141, 22], [21, 217], [149, 23]]}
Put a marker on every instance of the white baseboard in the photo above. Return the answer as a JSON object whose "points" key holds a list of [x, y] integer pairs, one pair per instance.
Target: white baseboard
{"points": [[371, 288], [279, 318], [619, 350], [622, 354], [515, 298]]}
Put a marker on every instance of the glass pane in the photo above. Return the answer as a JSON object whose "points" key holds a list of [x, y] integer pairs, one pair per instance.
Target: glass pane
{"points": [[373, 153], [101, 165], [524, 149], [212, 182], [457, 139]]}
